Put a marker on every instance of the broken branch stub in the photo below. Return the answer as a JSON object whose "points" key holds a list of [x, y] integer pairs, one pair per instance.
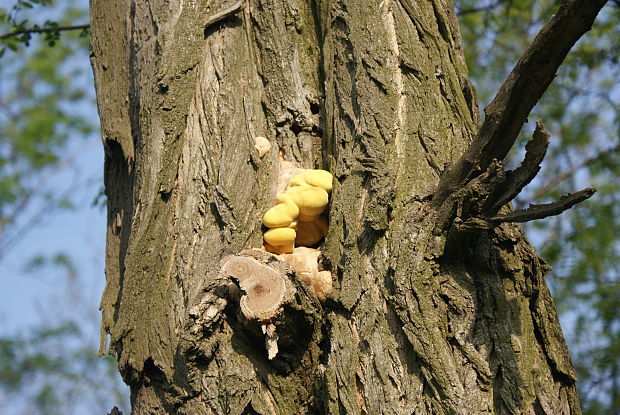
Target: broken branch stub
{"points": [[517, 179], [265, 289]]}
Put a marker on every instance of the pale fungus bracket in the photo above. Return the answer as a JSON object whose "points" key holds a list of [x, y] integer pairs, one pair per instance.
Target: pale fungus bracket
{"points": [[305, 262], [262, 145]]}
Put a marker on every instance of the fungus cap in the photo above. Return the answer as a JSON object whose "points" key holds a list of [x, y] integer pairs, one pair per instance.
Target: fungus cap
{"points": [[280, 236], [298, 181], [283, 249], [279, 216], [319, 178], [311, 201], [289, 204]]}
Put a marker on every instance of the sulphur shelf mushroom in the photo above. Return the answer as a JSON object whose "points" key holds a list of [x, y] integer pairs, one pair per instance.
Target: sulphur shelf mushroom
{"points": [[280, 240], [319, 178], [281, 215], [299, 210], [311, 201]]}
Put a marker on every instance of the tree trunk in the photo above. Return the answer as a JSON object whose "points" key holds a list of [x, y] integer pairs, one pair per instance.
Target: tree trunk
{"points": [[423, 319]]}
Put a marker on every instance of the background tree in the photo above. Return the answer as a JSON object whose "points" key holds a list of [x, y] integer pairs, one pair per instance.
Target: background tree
{"points": [[433, 297], [40, 94]]}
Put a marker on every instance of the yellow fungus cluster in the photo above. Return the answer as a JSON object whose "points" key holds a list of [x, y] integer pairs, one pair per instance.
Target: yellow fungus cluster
{"points": [[296, 219]]}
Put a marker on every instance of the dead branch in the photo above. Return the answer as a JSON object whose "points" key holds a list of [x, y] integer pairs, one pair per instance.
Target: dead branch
{"points": [[533, 212], [545, 210], [221, 15], [517, 179], [525, 85]]}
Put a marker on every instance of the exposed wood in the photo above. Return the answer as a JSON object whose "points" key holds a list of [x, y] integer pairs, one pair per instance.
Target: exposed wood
{"points": [[265, 290]]}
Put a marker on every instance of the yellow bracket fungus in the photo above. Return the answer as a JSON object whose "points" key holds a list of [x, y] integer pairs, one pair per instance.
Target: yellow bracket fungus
{"points": [[312, 201], [299, 209], [281, 240], [283, 214], [319, 178]]}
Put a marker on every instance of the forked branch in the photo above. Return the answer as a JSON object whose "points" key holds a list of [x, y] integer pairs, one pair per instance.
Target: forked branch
{"points": [[527, 82], [517, 179]]}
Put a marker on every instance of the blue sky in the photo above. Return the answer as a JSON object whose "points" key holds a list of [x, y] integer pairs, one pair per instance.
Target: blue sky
{"points": [[80, 232]]}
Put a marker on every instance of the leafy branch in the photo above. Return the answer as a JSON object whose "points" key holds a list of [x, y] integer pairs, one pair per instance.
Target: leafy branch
{"points": [[21, 30], [50, 28]]}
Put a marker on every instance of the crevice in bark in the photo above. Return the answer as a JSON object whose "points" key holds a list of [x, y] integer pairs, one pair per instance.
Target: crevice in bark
{"points": [[147, 394]]}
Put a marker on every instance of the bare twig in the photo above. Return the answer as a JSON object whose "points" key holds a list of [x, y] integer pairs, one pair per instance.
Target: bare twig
{"points": [[43, 30], [545, 210], [517, 179], [488, 7], [533, 212], [520, 92]]}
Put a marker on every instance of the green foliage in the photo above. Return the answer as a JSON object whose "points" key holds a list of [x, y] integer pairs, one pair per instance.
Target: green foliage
{"points": [[21, 29], [51, 369], [40, 94], [46, 112], [582, 111]]}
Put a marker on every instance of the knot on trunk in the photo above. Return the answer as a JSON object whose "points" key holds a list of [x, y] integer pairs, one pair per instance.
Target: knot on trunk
{"points": [[273, 302], [265, 288]]}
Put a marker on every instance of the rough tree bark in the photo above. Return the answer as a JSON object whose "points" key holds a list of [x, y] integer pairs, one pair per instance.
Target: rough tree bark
{"points": [[439, 303]]}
